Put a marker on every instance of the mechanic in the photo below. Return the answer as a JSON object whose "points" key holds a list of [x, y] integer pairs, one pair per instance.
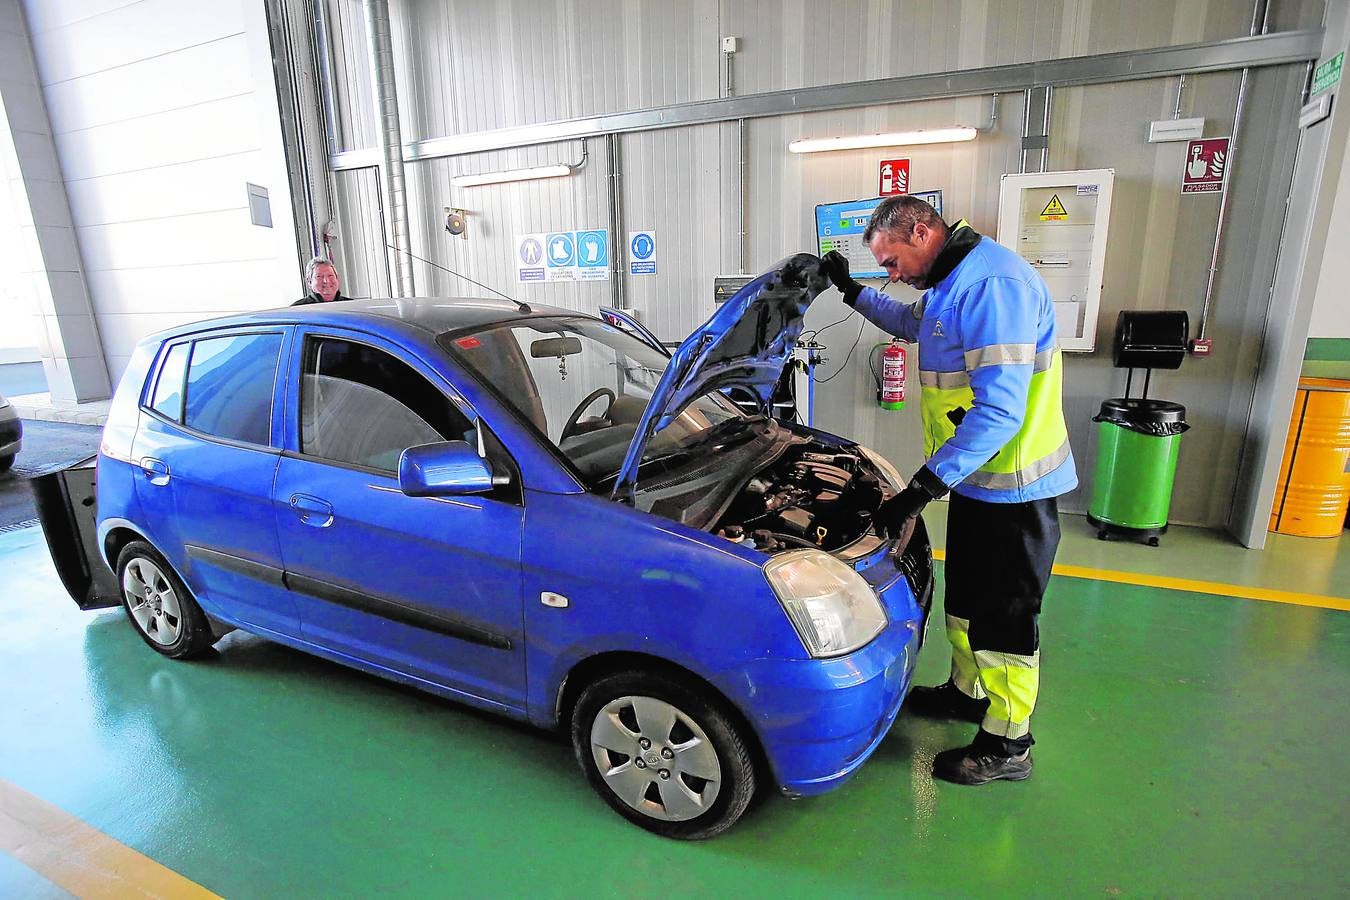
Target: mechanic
{"points": [[322, 280], [994, 434]]}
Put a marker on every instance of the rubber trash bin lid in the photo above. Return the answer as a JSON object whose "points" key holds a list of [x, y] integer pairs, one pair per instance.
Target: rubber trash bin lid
{"points": [[1156, 417]]}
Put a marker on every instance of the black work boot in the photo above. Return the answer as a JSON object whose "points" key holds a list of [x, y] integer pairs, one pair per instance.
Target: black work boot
{"points": [[986, 759], [946, 701]]}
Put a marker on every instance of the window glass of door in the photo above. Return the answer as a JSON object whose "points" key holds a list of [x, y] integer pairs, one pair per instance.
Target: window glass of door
{"points": [[229, 386], [362, 406]]}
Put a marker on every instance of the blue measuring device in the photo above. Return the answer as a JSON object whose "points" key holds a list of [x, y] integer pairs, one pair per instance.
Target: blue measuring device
{"points": [[840, 226]]}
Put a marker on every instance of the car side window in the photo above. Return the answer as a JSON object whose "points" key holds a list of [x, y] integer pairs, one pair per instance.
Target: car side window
{"points": [[168, 396], [363, 406], [229, 386]]}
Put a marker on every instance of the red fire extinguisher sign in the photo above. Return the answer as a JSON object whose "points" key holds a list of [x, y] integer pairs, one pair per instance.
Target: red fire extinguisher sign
{"points": [[894, 177], [893, 376]]}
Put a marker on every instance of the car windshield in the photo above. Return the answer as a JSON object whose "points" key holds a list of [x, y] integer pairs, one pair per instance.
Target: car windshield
{"points": [[584, 385]]}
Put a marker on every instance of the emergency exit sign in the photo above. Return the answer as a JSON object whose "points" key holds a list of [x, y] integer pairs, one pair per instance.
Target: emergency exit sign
{"points": [[1328, 73]]}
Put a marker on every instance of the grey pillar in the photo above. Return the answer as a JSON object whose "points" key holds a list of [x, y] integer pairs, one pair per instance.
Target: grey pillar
{"points": [[51, 272]]}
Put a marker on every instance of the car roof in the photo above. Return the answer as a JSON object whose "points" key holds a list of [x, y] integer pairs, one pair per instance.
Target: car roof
{"points": [[433, 315]]}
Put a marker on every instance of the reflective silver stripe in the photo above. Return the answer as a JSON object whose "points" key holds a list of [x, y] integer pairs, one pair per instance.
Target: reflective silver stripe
{"points": [[1004, 728], [995, 659], [1007, 481], [1045, 358], [1001, 355], [943, 380]]}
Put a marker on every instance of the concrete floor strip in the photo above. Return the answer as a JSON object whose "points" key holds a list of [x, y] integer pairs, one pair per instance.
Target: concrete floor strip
{"points": [[1217, 589], [78, 857]]}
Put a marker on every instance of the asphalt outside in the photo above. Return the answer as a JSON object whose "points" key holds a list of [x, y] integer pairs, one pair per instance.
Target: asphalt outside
{"points": [[47, 447]]}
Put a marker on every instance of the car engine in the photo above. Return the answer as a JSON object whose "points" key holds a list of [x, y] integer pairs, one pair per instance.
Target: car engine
{"points": [[806, 499]]}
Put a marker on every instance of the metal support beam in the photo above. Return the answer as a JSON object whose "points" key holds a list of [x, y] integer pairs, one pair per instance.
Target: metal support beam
{"points": [[1238, 53], [381, 46]]}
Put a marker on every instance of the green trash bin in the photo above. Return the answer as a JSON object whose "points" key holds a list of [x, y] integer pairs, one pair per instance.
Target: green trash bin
{"points": [[1137, 446]]}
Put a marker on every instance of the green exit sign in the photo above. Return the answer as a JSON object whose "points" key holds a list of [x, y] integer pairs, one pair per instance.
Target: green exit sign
{"points": [[1328, 73]]}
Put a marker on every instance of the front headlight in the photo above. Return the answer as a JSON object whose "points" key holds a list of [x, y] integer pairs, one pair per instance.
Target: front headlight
{"points": [[888, 471], [833, 609]]}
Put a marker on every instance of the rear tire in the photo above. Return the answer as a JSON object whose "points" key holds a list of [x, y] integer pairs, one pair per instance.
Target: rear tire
{"points": [[694, 776], [6, 463], [159, 605]]}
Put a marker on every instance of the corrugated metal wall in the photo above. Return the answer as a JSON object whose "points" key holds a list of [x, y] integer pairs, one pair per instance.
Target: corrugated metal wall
{"points": [[466, 66]]}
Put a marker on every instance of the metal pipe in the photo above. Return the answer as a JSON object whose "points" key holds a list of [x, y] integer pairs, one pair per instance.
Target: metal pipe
{"points": [[1045, 120], [1026, 120], [742, 195], [1181, 86], [1260, 19], [324, 56], [381, 47], [617, 241]]}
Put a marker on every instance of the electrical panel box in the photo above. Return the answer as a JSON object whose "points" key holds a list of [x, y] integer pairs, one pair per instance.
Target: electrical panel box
{"points": [[1057, 222]]}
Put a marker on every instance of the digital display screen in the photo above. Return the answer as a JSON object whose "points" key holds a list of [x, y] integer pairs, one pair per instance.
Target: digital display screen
{"points": [[840, 226]]}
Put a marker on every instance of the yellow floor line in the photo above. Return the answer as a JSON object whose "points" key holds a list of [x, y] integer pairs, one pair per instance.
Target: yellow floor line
{"points": [[78, 857], [1199, 587]]}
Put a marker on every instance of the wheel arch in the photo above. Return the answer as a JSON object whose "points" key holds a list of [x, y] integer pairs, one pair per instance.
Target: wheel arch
{"points": [[591, 669]]}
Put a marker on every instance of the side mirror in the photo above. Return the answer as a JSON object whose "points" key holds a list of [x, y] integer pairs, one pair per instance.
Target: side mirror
{"points": [[448, 469]]}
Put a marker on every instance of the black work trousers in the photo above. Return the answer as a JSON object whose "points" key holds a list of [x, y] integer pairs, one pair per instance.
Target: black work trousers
{"points": [[999, 557]]}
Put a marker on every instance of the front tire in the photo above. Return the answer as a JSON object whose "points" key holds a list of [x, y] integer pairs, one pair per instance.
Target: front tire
{"points": [[159, 605], [664, 754]]}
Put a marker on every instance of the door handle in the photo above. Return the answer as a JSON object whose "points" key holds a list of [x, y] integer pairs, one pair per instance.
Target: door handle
{"points": [[314, 511], [157, 470]]}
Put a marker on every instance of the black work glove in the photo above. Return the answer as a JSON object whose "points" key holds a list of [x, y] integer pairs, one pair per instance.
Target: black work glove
{"points": [[835, 266], [895, 518]]}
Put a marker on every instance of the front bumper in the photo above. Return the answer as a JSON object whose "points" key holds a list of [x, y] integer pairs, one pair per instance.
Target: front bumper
{"points": [[820, 719], [11, 431]]}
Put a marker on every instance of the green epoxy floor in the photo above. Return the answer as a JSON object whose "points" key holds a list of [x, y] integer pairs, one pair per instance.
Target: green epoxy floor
{"points": [[1189, 745]]}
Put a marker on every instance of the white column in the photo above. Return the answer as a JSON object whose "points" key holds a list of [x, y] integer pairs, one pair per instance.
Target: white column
{"points": [[48, 255]]}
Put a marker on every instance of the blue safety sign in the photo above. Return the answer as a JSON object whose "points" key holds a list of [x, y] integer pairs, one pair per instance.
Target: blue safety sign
{"points": [[642, 246], [593, 249], [561, 249]]}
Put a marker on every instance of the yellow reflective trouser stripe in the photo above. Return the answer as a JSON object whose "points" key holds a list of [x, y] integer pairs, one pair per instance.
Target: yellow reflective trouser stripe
{"points": [[1011, 681], [1007, 481], [965, 674], [1000, 355]]}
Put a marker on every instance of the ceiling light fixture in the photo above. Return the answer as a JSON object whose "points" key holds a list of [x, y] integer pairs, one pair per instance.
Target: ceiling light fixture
{"points": [[554, 171], [511, 175], [891, 139]]}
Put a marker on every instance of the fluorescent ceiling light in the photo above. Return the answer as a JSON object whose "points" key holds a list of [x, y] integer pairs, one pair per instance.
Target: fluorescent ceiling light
{"points": [[512, 175], [892, 139]]}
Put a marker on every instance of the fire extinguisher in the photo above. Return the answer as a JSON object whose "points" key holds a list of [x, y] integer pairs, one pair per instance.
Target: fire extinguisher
{"points": [[892, 394]]}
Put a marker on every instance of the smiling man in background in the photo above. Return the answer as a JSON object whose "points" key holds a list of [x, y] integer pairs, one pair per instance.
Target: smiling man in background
{"points": [[322, 280]]}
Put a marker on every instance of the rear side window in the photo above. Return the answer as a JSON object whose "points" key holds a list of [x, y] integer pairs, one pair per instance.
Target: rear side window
{"points": [[229, 386], [168, 397], [362, 406]]}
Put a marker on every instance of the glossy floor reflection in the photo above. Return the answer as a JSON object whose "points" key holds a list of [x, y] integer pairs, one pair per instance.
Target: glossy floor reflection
{"points": [[1184, 744]]}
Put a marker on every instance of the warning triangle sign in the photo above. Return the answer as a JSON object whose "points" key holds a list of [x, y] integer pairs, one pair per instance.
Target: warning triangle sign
{"points": [[1054, 210]]}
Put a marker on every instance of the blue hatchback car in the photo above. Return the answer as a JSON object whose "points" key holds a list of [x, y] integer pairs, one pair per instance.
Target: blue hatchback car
{"points": [[536, 512]]}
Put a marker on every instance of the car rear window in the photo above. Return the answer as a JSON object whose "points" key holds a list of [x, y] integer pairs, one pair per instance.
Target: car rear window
{"points": [[229, 386], [168, 398]]}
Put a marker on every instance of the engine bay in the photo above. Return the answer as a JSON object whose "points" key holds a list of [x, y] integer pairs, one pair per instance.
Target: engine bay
{"points": [[787, 488], [808, 498]]}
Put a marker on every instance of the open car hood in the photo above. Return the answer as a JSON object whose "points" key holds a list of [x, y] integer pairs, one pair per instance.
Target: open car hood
{"points": [[744, 344]]}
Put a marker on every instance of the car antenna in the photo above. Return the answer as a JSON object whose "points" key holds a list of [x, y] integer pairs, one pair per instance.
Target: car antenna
{"points": [[521, 304]]}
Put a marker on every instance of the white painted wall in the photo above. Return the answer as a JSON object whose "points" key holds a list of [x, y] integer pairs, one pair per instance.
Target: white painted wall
{"points": [[162, 111], [1331, 308]]}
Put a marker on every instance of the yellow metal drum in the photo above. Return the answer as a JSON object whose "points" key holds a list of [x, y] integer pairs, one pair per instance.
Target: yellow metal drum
{"points": [[1314, 488]]}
